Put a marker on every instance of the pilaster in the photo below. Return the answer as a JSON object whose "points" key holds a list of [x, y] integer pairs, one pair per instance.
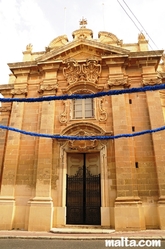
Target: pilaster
{"points": [[156, 121], [128, 211], [7, 198], [41, 207]]}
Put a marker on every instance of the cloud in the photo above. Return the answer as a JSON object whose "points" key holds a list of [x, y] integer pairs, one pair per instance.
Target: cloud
{"points": [[39, 21], [24, 22]]}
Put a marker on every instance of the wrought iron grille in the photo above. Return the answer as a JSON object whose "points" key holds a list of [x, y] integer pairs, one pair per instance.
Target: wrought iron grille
{"points": [[83, 199]]}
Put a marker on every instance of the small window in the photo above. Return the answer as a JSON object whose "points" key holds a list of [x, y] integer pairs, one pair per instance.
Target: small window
{"points": [[83, 108]]}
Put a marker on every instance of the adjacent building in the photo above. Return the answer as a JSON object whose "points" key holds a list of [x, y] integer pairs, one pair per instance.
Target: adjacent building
{"points": [[112, 183]]}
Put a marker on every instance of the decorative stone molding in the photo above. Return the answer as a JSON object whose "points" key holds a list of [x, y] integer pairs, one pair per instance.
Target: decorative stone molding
{"points": [[19, 91], [48, 85], [91, 70], [83, 129], [118, 82], [29, 47], [48, 88], [151, 82], [83, 145], [141, 37], [72, 71], [63, 115], [88, 72], [102, 112], [82, 88]]}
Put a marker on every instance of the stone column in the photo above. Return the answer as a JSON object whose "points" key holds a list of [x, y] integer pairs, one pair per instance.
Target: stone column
{"points": [[41, 207], [7, 198], [128, 210], [156, 121]]}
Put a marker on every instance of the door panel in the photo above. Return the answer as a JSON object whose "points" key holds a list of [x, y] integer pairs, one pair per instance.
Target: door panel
{"points": [[93, 163], [83, 189], [75, 161]]}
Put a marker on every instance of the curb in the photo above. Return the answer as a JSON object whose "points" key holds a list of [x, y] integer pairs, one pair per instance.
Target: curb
{"points": [[70, 237]]}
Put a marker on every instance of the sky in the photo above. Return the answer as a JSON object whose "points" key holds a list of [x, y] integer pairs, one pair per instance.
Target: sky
{"points": [[40, 21]]}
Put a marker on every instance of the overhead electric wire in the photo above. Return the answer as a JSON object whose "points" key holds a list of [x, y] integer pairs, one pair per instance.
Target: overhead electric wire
{"points": [[140, 24], [135, 22], [137, 26], [129, 16]]}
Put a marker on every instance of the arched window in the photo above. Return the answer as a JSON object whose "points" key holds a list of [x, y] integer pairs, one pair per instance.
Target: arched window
{"points": [[83, 108]]}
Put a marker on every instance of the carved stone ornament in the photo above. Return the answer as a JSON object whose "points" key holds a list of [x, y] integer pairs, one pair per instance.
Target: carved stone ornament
{"points": [[87, 72], [141, 37], [82, 145], [117, 82], [102, 112], [72, 71], [63, 115], [29, 47], [19, 91], [48, 87], [151, 82], [91, 70]]}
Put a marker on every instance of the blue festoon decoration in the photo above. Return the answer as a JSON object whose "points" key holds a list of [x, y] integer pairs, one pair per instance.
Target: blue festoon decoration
{"points": [[85, 96], [83, 137], [79, 96]]}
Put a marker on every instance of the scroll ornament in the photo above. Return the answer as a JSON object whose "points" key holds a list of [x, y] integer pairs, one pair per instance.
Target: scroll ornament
{"points": [[63, 115], [103, 113], [87, 72]]}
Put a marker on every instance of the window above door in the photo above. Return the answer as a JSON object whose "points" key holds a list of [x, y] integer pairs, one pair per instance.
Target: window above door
{"points": [[83, 108]]}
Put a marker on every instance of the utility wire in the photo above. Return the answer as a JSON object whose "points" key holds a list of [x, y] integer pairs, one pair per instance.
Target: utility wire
{"points": [[129, 16], [135, 23], [140, 24]]}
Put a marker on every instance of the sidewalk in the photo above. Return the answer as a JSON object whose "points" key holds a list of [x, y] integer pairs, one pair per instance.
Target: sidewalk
{"points": [[83, 234]]}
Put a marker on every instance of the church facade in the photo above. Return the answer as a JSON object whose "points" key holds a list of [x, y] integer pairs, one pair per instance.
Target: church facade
{"points": [[112, 183]]}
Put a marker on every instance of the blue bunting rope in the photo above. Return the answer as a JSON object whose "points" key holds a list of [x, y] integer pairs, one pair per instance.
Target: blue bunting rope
{"points": [[83, 137], [85, 96], [78, 96]]}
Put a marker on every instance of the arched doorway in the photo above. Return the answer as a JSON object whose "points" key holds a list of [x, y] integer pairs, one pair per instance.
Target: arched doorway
{"points": [[81, 150]]}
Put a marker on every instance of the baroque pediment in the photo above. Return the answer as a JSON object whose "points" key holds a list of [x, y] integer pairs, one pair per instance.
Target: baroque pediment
{"points": [[82, 49]]}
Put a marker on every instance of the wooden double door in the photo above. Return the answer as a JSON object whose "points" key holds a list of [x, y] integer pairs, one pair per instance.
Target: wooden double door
{"points": [[83, 193]]}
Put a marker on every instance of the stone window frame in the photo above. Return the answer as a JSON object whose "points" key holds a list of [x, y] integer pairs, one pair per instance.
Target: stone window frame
{"points": [[84, 107]]}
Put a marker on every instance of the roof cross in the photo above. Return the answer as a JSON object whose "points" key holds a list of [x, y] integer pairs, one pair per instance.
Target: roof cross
{"points": [[83, 23]]}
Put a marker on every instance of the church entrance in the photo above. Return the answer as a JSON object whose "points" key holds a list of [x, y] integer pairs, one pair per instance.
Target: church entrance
{"points": [[83, 193]]}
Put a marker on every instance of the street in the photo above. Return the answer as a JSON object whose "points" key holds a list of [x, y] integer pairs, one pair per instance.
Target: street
{"points": [[58, 244]]}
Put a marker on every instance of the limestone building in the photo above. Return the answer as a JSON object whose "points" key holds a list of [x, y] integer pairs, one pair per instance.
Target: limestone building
{"points": [[118, 183]]}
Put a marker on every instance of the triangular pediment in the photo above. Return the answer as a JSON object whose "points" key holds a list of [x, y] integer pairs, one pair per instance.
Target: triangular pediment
{"points": [[82, 49]]}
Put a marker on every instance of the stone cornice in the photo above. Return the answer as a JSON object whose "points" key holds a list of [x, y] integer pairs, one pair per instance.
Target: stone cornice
{"points": [[144, 54], [88, 43], [24, 64], [6, 87]]}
